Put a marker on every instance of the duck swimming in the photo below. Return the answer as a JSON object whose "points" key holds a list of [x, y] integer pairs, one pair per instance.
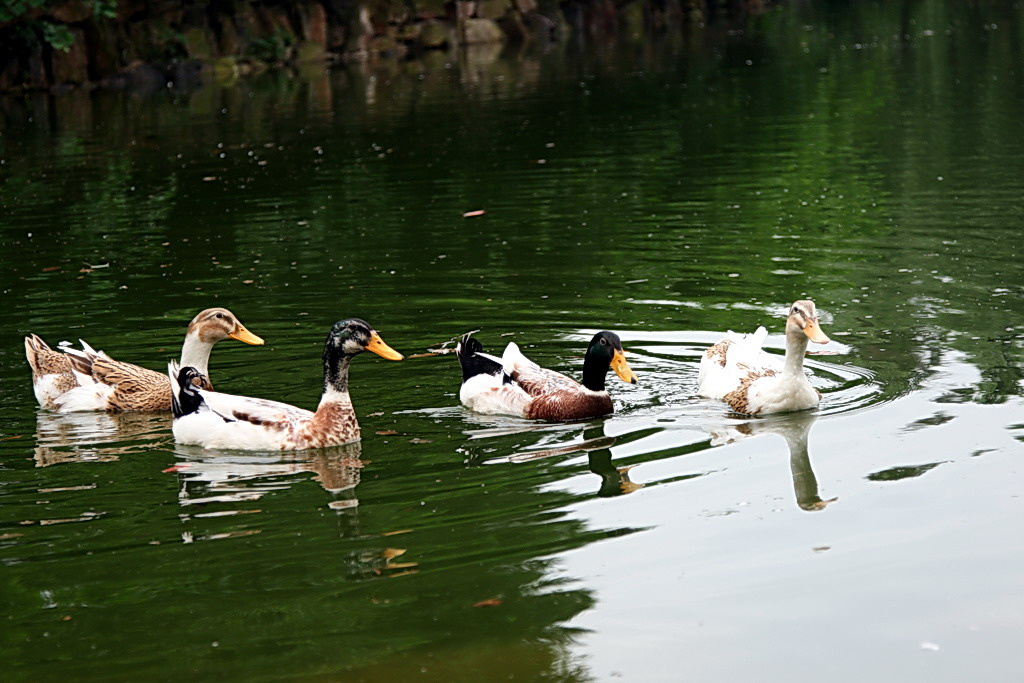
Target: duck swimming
{"points": [[515, 385], [73, 380], [225, 421], [754, 382]]}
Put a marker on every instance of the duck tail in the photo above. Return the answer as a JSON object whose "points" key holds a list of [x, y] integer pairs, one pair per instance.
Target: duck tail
{"points": [[473, 360]]}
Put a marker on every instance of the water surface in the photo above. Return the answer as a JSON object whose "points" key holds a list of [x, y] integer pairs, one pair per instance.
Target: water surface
{"points": [[866, 157]]}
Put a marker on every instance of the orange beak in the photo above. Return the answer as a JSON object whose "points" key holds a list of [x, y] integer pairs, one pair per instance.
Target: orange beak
{"points": [[622, 369], [378, 346], [814, 332], [245, 336]]}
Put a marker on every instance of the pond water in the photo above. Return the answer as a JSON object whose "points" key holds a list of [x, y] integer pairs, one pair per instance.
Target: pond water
{"points": [[869, 157]]}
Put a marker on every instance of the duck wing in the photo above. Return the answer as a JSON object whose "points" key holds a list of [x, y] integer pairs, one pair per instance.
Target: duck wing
{"points": [[724, 366], [257, 411], [535, 380]]}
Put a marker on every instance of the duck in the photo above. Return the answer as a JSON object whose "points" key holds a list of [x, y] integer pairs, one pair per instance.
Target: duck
{"points": [[76, 380], [515, 385], [51, 370], [214, 420], [754, 382]]}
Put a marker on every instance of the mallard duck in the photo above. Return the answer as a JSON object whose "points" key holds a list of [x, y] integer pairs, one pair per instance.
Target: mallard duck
{"points": [[214, 420], [515, 385], [754, 382], [87, 379]]}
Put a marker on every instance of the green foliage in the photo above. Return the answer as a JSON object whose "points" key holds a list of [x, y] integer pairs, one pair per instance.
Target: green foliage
{"points": [[106, 9], [273, 48], [31, 31], [58, 36], [12, 9]]}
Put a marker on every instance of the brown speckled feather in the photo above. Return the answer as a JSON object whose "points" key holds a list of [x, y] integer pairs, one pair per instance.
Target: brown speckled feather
{"points": [[45, 361], [333, 424], [739, 398], [719, 351], [136, 389]]}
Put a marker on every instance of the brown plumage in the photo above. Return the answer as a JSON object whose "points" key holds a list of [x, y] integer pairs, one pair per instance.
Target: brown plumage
{"points": [[567, 404], [103, 383], [719, 351], [739, 398], [51, 371]]}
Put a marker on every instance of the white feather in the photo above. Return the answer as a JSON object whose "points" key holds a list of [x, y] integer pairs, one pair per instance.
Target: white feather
{"points": [[744, 354], [45, 389], [90, 396]]}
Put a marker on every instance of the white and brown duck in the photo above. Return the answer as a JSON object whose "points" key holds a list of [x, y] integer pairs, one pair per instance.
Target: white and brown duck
{"points": [[225, 421], [73, 380], [753, 382]]}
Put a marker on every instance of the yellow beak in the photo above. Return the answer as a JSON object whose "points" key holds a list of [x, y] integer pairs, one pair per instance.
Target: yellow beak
{"points": [[814, 333], [378, 346], [245, 336], [622, 369]]}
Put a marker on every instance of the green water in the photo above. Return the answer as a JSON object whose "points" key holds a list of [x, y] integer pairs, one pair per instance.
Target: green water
{"points": [[669, 192]]}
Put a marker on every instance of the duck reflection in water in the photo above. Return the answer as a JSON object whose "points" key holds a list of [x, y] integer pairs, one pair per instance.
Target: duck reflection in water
{"points": [[237, 476], [794, 428], [95, 437]]}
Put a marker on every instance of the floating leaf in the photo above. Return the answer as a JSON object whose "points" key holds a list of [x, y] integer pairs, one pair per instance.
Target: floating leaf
{"points": [[491, 602]]}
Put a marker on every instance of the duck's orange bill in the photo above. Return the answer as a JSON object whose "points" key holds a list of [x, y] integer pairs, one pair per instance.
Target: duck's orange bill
{"points": [[622, 369], [814, 333], [245, 336], [378, 346]]}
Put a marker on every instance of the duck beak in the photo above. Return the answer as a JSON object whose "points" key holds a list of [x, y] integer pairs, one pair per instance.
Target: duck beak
{"points": [[245, 336], [378, 346], [622, 369], [814, 332]]}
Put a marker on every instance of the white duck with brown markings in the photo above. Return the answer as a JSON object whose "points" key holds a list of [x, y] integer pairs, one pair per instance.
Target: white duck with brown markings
{"points": [[753, 382], [225, 421]]}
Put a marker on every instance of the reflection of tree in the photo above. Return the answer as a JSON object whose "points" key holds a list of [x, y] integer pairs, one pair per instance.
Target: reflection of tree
{"points": [[794, 428]]}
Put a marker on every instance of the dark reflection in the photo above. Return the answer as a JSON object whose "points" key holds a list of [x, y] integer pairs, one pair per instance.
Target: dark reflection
{"points": [[794, 428], [95, 437], [614, 480], [905, 472]]}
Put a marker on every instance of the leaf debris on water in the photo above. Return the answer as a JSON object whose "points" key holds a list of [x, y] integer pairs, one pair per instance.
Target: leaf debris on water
{"points": [[490, 602]]}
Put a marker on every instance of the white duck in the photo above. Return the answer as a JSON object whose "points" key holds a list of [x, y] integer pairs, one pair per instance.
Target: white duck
{"points": [[214, 420], [754, 382]]}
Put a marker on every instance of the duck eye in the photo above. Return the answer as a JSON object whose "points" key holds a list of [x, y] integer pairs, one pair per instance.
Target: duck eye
{"points": [[219, 316]]}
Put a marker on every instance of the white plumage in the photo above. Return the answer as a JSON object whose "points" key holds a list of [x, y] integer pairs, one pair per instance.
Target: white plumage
{"points": [[753, 382]]}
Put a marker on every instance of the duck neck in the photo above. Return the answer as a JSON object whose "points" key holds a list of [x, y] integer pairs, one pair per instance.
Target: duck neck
{"points": [[196, 353], [796, 347], [336, 375], [594, 372]]}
